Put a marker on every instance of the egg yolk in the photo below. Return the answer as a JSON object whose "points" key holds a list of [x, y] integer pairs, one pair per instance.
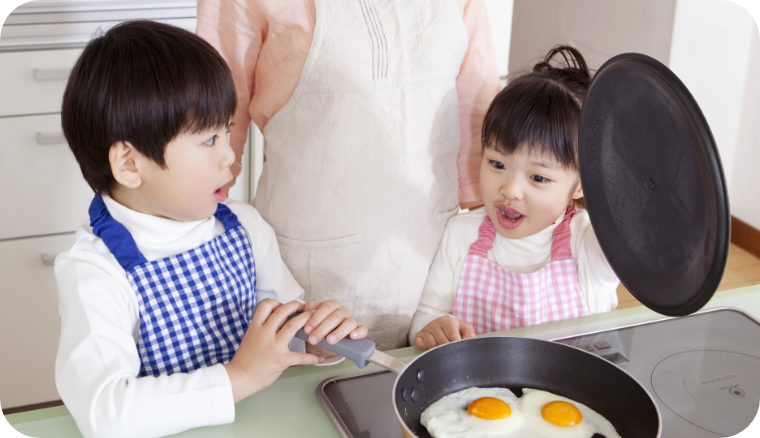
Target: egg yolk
{"points": [[560, 413], [489, 408]]}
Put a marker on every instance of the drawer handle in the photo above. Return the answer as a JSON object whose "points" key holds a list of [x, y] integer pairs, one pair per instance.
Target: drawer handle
{"points": [[48, 260], [60, 74], [57, 138]]}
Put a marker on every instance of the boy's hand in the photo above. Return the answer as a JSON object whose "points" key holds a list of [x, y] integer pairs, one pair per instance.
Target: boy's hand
{"points": [[331, 319], [263, 353], [442, 331]]}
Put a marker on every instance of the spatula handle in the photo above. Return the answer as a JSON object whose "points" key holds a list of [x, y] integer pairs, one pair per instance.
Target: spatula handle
{"points": [[357, 350]]}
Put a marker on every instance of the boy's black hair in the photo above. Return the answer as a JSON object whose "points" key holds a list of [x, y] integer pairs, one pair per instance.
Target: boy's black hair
{"points": [[541, 110], [144, 83]]}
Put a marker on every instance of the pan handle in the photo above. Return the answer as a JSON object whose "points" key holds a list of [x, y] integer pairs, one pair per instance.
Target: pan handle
{"points": [[357, 350]]}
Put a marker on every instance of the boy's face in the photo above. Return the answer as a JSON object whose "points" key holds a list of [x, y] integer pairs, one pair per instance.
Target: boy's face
{"points": [[191, 185], [523, 194]]}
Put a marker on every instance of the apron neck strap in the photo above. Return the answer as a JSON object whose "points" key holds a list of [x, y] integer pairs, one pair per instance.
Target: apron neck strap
{"points": [[226, 216], [116, 237], [486, 234], [560, 242], [120, 242]]}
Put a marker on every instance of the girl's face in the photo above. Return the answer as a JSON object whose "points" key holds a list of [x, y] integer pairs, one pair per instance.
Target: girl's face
{"points": [[191, 185], [525, 193]]}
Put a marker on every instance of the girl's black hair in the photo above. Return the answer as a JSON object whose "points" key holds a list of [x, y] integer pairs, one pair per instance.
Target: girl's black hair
{"points": [[145, 83], [541, 110]]}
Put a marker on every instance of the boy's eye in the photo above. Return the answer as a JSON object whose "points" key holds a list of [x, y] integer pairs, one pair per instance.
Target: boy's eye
{"points": [[211, 141], [228, 127], [496, 164], [539, 178]]}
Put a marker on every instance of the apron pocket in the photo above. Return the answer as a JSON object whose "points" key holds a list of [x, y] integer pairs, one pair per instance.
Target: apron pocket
{"points": [[326, 269]]}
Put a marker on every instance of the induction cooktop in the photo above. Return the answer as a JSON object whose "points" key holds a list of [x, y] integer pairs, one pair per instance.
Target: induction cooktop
{"points": [[703, 370]]}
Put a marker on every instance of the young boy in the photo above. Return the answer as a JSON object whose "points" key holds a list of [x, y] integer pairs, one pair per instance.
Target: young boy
{"points": [[156, 296]]}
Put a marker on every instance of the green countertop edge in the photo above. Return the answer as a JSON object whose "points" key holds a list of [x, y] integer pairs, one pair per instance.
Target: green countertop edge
{"points": [[543, 331], [39, 414]]}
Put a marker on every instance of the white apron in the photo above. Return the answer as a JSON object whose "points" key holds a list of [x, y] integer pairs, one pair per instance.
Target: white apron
{"points": [[360, 173]]}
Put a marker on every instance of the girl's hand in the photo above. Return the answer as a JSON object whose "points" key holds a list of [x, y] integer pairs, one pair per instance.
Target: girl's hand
{"points": [[263, 353], [442, 331], [331, 319]]}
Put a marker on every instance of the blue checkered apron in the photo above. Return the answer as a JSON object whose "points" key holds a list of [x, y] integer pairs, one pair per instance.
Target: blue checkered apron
{"points": [[195, 306]]}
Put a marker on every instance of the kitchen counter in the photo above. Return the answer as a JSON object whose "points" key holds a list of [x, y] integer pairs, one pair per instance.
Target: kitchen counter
{"points": [[289, 407]]}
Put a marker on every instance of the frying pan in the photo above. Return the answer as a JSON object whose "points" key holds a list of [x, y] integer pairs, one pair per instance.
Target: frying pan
{"points": [[513, 363]]}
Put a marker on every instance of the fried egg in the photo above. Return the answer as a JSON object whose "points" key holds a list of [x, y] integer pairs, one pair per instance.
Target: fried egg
{"points": [[551, 415], [497, 412], [474, 413]]}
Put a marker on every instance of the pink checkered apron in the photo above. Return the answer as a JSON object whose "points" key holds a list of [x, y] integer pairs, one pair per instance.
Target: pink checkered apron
{"points": [[491, 298]]}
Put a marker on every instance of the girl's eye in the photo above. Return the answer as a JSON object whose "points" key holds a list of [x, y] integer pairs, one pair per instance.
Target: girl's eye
{"points": [[211, 141], [496, 164], [539, 178], [228, 127]]}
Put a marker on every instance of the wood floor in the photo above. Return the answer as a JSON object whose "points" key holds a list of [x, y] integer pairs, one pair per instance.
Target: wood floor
{"points": [[742, 269]]}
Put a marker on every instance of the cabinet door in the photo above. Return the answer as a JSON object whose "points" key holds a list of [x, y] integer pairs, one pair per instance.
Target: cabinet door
{"points": [[29, 321], [33, 82], [43, 189]]}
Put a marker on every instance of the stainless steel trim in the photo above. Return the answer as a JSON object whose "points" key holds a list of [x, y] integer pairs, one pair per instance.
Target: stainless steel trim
{"points": [[45, 139], [387, 361], [59, 74], [653, 321]]}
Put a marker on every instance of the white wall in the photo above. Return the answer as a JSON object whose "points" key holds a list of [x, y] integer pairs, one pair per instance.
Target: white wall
{"points": [[500, 15], [714, 52], [599, 29], [744, 186]]}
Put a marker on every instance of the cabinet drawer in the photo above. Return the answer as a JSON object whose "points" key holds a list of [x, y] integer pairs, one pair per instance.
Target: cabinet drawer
{"points": [[43, 191], [30, 324], [22, 93]]}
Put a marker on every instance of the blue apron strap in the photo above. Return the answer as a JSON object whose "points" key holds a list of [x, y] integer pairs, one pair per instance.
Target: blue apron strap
{"points": [[121, 243], [118, 240], [227, 217]]}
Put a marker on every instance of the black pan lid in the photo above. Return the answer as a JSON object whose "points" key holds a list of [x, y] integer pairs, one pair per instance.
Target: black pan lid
{"points": [[654, 185]]}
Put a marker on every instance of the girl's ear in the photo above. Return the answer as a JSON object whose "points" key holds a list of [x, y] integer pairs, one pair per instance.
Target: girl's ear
{"points": [[125, 159], [578, 193]]}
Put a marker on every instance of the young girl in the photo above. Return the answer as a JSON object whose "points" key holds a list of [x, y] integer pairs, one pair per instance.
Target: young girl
{"points": [[529, 256]]}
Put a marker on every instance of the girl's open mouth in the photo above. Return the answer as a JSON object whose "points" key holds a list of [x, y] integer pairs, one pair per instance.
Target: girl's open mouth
{"points": [[509, 218]]}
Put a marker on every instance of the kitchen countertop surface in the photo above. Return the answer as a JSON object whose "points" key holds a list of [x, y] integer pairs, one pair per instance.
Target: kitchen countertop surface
{"points": [[289, 407]]}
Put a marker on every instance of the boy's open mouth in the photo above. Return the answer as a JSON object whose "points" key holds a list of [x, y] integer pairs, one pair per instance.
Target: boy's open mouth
{"points": [[220, 194], [509, 218]]}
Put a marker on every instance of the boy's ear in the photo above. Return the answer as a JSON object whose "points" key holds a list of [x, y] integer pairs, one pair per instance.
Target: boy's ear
{"points": [[578, 193], [124, 160]]}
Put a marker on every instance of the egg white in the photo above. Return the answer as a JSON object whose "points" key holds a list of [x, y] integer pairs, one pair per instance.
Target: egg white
{"points": [[448, 417], [534, 400]]}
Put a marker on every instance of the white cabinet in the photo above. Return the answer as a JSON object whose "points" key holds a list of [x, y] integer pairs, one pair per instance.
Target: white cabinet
{"points": [[29, 320], [44, 199], [43, 189], [33, 82]]}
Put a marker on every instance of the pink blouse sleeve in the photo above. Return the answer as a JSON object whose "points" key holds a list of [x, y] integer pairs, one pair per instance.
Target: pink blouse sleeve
{"points": [[234, 28], [477, 84]]}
